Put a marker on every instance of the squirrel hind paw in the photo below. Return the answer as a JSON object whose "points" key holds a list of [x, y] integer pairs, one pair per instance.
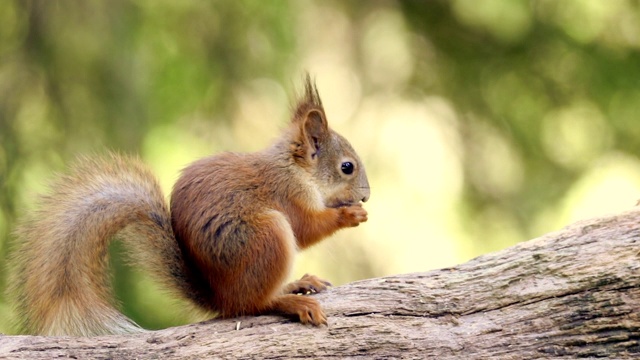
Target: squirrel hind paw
{"points": [[308, 284], [307, 310]]}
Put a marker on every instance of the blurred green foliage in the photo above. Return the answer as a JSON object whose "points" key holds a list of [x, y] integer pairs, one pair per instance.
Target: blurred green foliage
{"points": [[517, 111], [518, 67]]}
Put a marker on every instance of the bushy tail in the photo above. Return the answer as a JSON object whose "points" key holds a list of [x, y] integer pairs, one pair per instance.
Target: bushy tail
{"points": [[61, 283]]}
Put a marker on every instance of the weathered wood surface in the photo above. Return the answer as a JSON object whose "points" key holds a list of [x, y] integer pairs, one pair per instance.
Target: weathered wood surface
{"points": [[572, 293]]}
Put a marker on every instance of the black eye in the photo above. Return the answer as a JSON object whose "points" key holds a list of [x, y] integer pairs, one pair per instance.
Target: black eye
{"points": [[347, 167]]}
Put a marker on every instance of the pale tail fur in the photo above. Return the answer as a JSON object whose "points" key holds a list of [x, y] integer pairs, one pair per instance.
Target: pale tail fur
{"points": [[61, 284]]}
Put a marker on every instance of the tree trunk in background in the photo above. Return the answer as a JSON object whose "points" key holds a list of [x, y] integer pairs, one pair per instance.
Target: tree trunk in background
{"points": [[572, 293]]}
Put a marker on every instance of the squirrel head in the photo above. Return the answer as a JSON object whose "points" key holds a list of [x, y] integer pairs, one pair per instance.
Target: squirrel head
{"points": [[326, 155]]}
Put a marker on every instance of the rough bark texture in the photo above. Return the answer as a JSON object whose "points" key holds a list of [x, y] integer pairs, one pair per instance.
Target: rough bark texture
{"points": [[572, 293]]}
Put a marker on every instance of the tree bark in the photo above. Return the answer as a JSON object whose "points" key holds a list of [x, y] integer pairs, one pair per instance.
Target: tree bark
{"points": [[572, 293]]}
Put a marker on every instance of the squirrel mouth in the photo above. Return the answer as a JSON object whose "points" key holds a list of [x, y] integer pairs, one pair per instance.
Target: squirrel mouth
{"points": [[340, 203]]}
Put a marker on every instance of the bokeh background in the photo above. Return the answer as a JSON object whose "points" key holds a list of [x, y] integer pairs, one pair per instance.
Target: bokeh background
{"points": [[481, 123]]}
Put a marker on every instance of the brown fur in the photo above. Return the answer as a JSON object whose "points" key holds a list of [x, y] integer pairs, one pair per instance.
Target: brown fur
{"points": [[236, 223]]}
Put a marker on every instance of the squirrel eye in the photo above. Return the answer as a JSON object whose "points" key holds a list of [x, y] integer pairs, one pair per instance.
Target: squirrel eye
{"points": [[347, 168]]}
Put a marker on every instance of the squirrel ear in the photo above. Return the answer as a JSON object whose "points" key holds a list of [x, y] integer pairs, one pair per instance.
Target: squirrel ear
{"points": [[314, 130]]}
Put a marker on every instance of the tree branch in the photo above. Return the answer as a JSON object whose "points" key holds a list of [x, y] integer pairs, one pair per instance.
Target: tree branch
{"points": [[572, 293]]}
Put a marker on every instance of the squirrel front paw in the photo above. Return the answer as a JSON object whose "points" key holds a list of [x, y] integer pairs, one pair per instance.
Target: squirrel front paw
{"points": [[352, 215]]}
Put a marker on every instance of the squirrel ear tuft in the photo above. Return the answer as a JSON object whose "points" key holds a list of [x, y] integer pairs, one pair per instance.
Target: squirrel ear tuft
{"points": [[311, 94], [308, 101]]}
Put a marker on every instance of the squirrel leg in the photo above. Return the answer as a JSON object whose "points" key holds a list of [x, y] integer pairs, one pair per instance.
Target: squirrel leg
{"points": [[283, 301], [242, 287]]}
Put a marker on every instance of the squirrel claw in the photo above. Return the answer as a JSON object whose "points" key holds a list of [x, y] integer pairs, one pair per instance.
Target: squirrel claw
{"points": [[314, 316], [308, 284], [306, 309]]}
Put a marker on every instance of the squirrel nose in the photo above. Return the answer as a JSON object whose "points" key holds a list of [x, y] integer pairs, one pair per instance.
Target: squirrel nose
{"points": [[364, 186], [366, 195]]}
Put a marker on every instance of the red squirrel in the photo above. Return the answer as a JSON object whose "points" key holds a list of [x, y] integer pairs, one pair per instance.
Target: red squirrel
{"points": [[227, 245]]}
